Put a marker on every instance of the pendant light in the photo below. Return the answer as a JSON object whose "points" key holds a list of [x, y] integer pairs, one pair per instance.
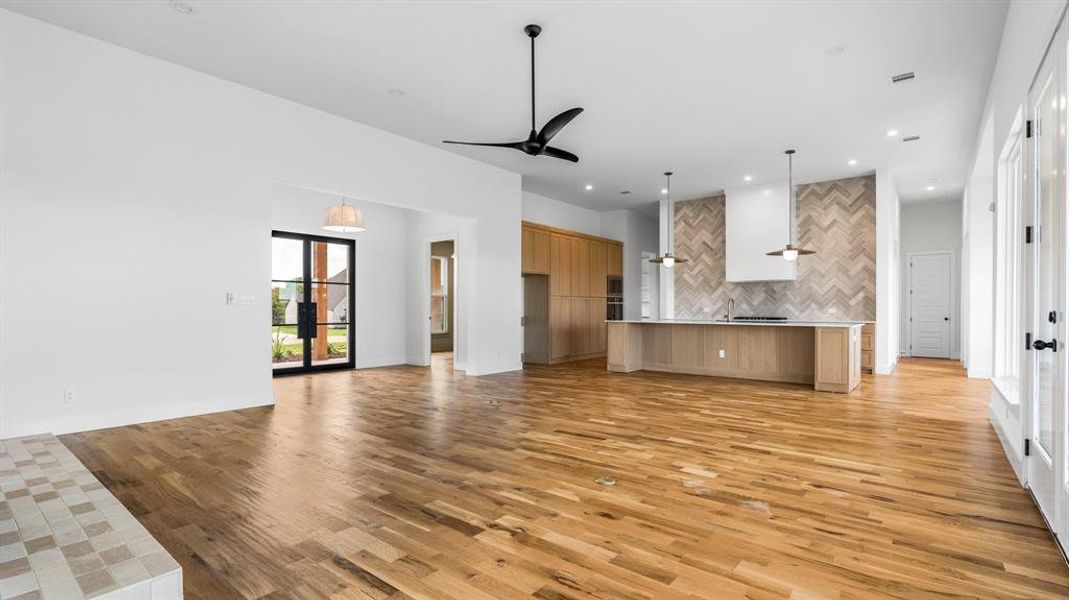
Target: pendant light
{"points": [[668, 259], [789, 252], [344, 218]]}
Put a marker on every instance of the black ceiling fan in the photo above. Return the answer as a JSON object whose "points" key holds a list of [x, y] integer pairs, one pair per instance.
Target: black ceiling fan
{"points": [[537, 142]]}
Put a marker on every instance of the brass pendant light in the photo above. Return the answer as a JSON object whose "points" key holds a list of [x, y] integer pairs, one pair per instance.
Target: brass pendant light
{"points": [[789, 252], [668, 259]]}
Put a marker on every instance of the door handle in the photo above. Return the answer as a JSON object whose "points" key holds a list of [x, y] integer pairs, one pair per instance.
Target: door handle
{"points": [[1041, 345], [946, 318]]}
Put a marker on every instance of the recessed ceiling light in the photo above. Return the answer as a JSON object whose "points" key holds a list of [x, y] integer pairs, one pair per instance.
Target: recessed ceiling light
{"points": [[931, 188], [892, 132], [747, 178], [664, 190], [181, 7], [396, 92], [589, 187], [834, 50], [852, 162]]}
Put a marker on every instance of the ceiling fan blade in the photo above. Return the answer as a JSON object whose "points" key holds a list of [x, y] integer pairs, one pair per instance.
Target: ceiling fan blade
{"points": [[515, 145], [554, 125], [561, 154]]}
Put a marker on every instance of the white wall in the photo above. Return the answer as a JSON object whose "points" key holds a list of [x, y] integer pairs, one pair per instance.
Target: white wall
{"points": [[1025, 37], [888, 276], [931, 227], [379, 293], [547, 211], [978, 248], [136, 193], [423, 228], [638, 232]]}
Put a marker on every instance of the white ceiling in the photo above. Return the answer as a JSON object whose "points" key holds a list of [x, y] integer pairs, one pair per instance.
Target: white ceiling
{"points": [[711, 90]]}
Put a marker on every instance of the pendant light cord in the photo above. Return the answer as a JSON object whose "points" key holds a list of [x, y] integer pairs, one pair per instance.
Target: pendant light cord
{"points": [[532, 84], [790, 197]]}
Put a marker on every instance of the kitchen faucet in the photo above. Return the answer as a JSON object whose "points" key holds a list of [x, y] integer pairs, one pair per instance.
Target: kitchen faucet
{"points": [[731, 309]]}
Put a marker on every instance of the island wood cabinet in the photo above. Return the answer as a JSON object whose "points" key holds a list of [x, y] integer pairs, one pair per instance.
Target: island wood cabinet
{"points": [[868, 348], [828, 357], [578, 267]]}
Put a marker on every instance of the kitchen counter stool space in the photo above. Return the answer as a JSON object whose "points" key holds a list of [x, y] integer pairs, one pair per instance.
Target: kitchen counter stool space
{"points": [[63, 536]]}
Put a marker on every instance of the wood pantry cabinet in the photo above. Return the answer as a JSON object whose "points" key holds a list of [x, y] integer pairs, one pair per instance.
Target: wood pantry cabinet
{"points": [[578, 267]]}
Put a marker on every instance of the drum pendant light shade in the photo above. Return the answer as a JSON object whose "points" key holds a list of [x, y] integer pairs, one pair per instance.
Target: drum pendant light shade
{"points": [[344, 219]]}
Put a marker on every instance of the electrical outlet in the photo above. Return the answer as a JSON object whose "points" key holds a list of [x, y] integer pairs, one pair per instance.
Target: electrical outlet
{"points": [[229, 298], [70, 395], [723, 354]]}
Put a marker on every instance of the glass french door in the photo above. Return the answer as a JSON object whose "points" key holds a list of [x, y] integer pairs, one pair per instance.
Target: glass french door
{"points": [[1043, 354], [311, 302]]}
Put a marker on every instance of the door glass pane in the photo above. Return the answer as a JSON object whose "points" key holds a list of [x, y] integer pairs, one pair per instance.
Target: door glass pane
{"points": [[287, 259], [332, 302], [287, 350], [330, 262], [1046, 265], [331, 345], [285, 297]]}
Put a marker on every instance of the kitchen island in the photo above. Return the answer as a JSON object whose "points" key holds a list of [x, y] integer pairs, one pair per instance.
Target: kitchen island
{"points": [[826, 355]]}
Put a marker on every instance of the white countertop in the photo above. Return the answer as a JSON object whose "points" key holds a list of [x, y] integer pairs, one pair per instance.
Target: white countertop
{"points": [[748, 323]]}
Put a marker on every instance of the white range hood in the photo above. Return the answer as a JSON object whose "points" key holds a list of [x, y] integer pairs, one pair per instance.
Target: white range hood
{"points": [[756, 220]]}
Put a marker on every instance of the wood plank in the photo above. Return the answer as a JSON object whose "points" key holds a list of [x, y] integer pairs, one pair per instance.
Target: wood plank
{"points": [[411, 482], [599, 276], [560, 327], [560, 276], [615, 259], [580, 267]]}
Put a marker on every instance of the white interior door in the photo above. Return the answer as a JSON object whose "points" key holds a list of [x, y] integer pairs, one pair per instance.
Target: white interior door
{"points": [[929, 302], [1045, 251]]}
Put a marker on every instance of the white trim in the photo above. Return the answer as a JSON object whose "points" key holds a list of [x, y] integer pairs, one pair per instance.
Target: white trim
{"points": [[384, 361], [909, 301], [501, 367], [131, 415], [1015, 458]]}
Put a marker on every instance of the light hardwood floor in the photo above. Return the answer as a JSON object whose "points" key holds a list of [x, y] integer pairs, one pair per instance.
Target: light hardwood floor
{"points": [[412, 482]]}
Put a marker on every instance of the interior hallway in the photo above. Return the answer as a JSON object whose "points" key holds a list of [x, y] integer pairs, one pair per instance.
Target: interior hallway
{"points": [[429, 484]]}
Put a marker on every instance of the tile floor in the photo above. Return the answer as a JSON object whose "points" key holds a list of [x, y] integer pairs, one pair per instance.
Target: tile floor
{"points": [[63, 536]]}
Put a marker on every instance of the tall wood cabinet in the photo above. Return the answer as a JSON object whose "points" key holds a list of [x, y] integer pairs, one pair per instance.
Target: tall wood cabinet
{"points": [[578, 267]]}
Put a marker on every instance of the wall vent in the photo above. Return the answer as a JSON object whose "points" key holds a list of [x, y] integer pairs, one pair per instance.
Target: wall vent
{"points": [[903, 77], [911, 138]]}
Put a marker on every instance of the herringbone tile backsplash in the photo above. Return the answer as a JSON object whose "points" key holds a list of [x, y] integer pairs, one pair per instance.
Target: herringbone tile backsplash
{"points": [[835, 218]]}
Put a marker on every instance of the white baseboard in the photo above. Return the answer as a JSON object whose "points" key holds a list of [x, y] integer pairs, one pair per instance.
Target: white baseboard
{"points": [[379, 361], [490, 369], [129, 416], [979, 373], [1015, 458]]}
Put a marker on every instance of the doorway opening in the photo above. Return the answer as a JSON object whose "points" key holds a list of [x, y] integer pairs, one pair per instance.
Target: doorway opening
{"points": [[312, 303], [443, 300]]}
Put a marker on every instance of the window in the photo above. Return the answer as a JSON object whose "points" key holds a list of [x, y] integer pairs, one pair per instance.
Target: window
{"points": [[1009, 284], [439, 294]]}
